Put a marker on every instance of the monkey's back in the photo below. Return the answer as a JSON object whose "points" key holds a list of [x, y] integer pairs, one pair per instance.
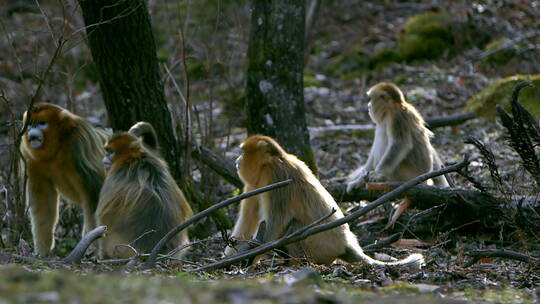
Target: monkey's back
{"points": [[139, 198], [316, 202], [419, 160]]}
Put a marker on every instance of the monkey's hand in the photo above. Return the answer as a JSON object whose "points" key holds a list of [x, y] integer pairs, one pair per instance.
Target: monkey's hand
{"points": [[377, 176], [360, 180]]}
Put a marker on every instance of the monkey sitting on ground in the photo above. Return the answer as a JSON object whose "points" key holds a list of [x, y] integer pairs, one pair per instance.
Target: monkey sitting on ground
{"points": [[139, 195], [287, 209], [401, 149], [63, 155]]}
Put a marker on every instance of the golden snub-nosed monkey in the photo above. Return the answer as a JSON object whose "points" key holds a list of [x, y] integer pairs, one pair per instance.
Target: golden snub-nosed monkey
{"points": [[287, 209], [63, 155], [139, 195]]}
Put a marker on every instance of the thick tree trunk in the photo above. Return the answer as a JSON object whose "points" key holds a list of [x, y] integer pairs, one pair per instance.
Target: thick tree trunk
{"points": [[123, 49], [275, 84]]}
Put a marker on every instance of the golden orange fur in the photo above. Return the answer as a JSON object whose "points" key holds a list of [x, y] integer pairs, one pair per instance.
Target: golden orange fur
{"points": [[139, 195], [63, 156], [287, 209]]}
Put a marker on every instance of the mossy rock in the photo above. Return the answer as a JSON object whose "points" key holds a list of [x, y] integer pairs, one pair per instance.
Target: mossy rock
{"points": [[500, 57], [500, 92], [383, 57], [426, 36], [347, 62]]}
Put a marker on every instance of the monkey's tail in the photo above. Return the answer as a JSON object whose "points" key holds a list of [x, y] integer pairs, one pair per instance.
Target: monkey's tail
{"points": [[147, 132], [441, 180], [353, 255]]}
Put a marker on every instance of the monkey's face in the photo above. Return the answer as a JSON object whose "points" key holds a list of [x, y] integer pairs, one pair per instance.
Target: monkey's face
{"points": [[121, 149], [379, 103], [46, 126]]}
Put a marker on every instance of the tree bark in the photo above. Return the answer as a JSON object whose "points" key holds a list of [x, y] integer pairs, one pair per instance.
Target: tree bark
{"points": [[275, 83], [123, 48]]}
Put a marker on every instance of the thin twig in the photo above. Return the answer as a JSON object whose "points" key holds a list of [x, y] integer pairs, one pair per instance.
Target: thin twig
{"points": [[304, 233], [151, 261], [382, 243]]}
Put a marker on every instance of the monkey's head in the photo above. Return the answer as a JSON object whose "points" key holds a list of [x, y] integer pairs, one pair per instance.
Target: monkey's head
{"points": [[47, 125], [258, 152], [383, 97], [121, 149]]}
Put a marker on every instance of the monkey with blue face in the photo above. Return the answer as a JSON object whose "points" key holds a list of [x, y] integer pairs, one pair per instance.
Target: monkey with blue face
{"points": [[62, 152]]}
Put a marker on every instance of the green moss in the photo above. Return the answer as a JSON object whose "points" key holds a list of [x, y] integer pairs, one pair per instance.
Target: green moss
{"points": [[426, 36], [400, 287], [197, 70], [347, 62], [309, 158], [351, 76], [383, 57], [499, 92], [311, 81], [500, 57]]}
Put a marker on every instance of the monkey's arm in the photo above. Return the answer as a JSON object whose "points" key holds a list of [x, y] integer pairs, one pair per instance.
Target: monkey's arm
{"points": [[358, 177], [248, 220], [399, 145], [42, 199], [379, 143]]}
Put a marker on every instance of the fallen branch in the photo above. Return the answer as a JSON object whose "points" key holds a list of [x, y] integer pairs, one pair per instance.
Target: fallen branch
{"points": [[309, 230], [450, 120], [499, 253], [431, 123], [151, 261], [78, 252], [459, 205], [222, 166]]}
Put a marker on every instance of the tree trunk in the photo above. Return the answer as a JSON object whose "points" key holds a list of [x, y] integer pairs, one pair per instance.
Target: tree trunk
{"points": [[123, 48], [275, 84]]}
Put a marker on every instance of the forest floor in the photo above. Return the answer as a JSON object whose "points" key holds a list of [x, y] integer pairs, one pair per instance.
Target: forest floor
{"points": [[437, 88]]}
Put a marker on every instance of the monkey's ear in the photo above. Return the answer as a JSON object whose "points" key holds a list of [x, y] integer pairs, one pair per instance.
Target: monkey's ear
{"points": [[263, 145], [267, 147]]}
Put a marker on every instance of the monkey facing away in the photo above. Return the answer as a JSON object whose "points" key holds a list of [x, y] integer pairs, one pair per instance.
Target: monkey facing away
{"points": [[402, 149], [287, 209], [63, 155], [140, 201]]}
